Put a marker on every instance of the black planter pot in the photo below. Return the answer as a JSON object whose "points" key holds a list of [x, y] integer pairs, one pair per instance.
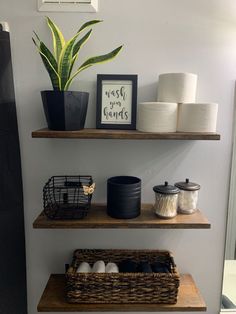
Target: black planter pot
{"points": [[64, 110], [123, 197]]}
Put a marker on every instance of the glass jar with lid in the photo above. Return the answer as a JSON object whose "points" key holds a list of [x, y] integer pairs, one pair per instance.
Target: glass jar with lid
{"points": [[188, 196], [166, 200]]}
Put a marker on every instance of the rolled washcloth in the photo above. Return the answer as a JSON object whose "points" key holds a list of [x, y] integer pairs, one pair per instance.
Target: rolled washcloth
{"points": [[159, 267], [112, 268], [99, 267], [144, 267], [84, 267], [128, 266]]}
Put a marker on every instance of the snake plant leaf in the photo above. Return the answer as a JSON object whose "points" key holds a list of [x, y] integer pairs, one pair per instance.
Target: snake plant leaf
{"points": [[77, 48], [88, 24], [58, 38], [37, 37], [46, 51], [49, 63], [100, 59], [81, 42], [92, 61], [65, 60]]}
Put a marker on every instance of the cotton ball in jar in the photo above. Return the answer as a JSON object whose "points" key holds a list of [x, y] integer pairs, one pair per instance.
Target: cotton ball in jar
{"points": [[188, 196]]}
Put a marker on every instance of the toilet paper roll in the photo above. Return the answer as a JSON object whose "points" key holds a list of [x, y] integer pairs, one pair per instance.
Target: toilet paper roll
{"points": [[157, 117], [177, 87], [99, 267], [112, 268], [84, 267], [199, 117]]}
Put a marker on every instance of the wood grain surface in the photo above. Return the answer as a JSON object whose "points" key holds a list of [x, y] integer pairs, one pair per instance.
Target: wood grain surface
{"points": [[123, 134], [98, 218], [53, 300]]}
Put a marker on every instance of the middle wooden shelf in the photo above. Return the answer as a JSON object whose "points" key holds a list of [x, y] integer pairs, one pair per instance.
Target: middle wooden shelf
{"points": [[98, 218]]}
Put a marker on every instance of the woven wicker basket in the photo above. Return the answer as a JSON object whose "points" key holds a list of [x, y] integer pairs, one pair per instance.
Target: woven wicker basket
{"points": [[122, 287]]}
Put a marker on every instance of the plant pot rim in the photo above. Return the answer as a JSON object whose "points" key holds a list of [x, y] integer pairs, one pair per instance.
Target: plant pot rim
{"points": [[63, 91]]}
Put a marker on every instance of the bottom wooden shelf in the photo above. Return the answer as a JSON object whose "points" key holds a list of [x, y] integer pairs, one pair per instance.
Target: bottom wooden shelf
{"points": [[53, 300]]}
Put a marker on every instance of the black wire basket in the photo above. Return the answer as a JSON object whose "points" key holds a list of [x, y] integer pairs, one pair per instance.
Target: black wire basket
{"points": [[67, 197]]}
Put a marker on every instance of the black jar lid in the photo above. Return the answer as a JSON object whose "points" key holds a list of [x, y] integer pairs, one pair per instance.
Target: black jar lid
{"points": [[187, 186], [166, 189]]}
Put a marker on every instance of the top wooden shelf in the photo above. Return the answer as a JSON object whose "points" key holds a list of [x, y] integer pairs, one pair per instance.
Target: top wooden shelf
{"points": [[123, 134]]}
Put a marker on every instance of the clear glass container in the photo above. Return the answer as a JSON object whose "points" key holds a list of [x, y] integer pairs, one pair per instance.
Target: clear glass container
{"points": [[188, 197], [166, 200]]}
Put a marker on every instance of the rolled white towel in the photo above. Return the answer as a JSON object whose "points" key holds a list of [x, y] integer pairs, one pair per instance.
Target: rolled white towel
{"points": [[112, 268], [84, 267], [99, 267]]}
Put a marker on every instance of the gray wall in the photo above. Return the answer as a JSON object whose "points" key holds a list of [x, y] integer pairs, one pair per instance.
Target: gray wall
{"points": [[159, 36]]}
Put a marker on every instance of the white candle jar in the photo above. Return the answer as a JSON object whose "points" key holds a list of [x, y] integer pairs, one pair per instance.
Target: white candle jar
{"points": [[188, 196], [166, 200]]}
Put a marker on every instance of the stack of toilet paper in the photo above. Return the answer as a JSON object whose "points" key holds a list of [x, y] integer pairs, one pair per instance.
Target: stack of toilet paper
{"points": [[176, 108]]}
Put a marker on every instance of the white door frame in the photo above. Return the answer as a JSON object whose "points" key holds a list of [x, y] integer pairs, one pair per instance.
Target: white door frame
{"points": [[231, 219]]}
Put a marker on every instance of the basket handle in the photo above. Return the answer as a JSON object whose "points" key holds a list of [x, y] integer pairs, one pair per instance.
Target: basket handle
{"points": [[67, 267], [172, 261]]}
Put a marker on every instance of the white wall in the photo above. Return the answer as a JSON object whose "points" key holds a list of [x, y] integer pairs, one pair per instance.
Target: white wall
{"points": [[159, 36]]}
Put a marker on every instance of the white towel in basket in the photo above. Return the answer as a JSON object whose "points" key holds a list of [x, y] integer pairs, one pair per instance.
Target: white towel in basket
{"points": [[84, 267], [99, 267], [112, 268]]}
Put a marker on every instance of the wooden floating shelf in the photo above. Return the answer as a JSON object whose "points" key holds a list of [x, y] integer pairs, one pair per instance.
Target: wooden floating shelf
{"points": [[53, 300], [97, 218], [123, 134]]}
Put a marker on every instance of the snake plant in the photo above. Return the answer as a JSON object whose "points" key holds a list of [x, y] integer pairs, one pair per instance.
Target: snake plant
{"points": [[61, 61]]}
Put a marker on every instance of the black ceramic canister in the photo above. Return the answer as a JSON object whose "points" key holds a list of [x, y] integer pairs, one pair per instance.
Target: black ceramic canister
{"points": [[123, 197]]}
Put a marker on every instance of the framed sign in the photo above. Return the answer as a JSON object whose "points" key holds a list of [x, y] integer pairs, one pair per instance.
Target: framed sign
{"points": [[116, 101]]}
